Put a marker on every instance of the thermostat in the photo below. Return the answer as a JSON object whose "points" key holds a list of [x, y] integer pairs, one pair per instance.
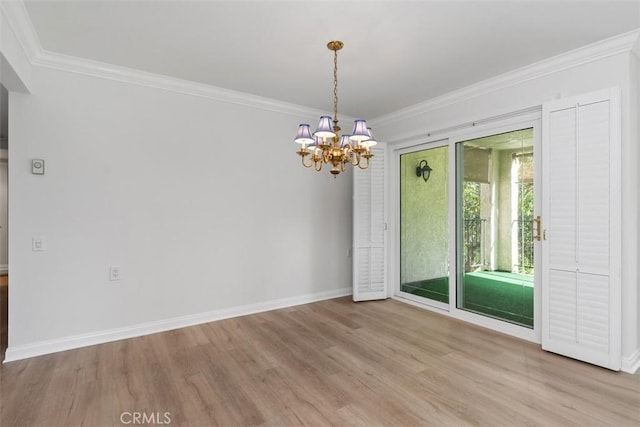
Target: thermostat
{"points": [[37, 167]]}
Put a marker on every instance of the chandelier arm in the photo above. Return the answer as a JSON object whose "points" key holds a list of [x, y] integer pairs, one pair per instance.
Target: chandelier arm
{"points": [[326, 155], [347, 155], [305, 163], [318, 165], [365, 166], [355, 158]]}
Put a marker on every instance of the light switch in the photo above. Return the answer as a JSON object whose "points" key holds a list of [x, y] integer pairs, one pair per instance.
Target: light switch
{"points": [[37, 167]]}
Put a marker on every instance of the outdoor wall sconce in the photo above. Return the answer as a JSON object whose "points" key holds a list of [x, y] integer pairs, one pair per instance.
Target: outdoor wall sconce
{"points": [[423, 170]]}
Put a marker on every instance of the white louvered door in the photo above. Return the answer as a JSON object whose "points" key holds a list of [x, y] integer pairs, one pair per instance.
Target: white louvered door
{"points": [[369, 229], [581, 285]]}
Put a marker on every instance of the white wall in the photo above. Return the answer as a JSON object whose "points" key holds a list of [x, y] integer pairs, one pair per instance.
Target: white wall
{"points": [[203, 204], [614, 70]]}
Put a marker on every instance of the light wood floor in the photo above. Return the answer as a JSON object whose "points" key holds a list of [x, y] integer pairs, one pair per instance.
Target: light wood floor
{"points": [[332, 362]]}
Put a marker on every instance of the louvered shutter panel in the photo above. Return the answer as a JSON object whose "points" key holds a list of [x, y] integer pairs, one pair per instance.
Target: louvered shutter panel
{"points": [[369, 255], [581, 287]]}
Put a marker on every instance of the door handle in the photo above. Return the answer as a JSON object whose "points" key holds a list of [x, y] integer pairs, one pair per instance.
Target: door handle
{"points": [[537, 236]]}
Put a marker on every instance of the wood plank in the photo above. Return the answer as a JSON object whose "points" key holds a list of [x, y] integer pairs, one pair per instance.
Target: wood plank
{"points": [[333, 362]]}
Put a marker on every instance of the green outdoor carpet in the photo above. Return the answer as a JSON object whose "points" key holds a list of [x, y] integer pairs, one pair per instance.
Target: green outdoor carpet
{"points": [[504, 295]]}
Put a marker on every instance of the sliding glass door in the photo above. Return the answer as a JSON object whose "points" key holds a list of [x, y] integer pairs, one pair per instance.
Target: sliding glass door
{"points": [[424, 225], [495, 226]]}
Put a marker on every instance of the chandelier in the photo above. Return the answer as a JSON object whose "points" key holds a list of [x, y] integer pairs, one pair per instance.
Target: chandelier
{"points": [[326, 145]]}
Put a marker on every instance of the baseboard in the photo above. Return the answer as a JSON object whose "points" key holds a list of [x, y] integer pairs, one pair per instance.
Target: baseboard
{"points": [[631, 364], [4, 269], [100, 337]]}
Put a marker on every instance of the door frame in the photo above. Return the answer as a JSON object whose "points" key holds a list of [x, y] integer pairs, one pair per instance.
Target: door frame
{"points": [[4, 203], [452, 136]]}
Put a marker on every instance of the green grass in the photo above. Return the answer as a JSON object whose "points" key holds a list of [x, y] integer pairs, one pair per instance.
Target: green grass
{"points": [[504, 295]]}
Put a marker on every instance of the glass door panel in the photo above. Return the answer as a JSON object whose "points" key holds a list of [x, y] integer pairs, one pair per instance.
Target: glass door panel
{"points": [[495, 226], [424, 223]]}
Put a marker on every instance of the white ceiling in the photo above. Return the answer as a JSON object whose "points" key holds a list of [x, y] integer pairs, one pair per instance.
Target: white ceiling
{"points": [[396, 54]]}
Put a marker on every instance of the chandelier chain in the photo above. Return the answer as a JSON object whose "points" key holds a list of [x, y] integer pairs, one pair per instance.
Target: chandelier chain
{"points": [[335, 87]]}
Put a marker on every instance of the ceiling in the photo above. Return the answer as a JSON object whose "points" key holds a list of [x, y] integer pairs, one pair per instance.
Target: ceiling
{"points": [[396, 54]]}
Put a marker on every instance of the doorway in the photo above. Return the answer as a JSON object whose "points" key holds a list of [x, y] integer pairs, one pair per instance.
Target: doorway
{"points": [[424, 224], [495, 226], [4, 246], [467, 227]]}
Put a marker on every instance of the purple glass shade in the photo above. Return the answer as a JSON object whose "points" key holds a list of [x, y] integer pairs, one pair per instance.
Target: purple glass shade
{"points": [[304, 135], [344, 140], [325, 128], [360, 132], [369, 142]]}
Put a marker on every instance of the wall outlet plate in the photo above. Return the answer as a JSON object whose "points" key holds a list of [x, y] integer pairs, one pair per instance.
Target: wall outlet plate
{"points": [[37, 167], [38, 243], [114, 273]]}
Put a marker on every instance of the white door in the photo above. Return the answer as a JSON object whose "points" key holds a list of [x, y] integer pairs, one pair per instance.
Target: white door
{"points": [[369, 229], [581, 289]]}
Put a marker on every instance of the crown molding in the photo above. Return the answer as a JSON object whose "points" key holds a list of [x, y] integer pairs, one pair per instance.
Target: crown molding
{"points": [[593, 52], [17, 17], [142, 78]]}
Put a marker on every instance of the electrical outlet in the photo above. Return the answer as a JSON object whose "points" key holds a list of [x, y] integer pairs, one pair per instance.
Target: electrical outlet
{"points": [[37, 167], [38, 244], [114, 273]]}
